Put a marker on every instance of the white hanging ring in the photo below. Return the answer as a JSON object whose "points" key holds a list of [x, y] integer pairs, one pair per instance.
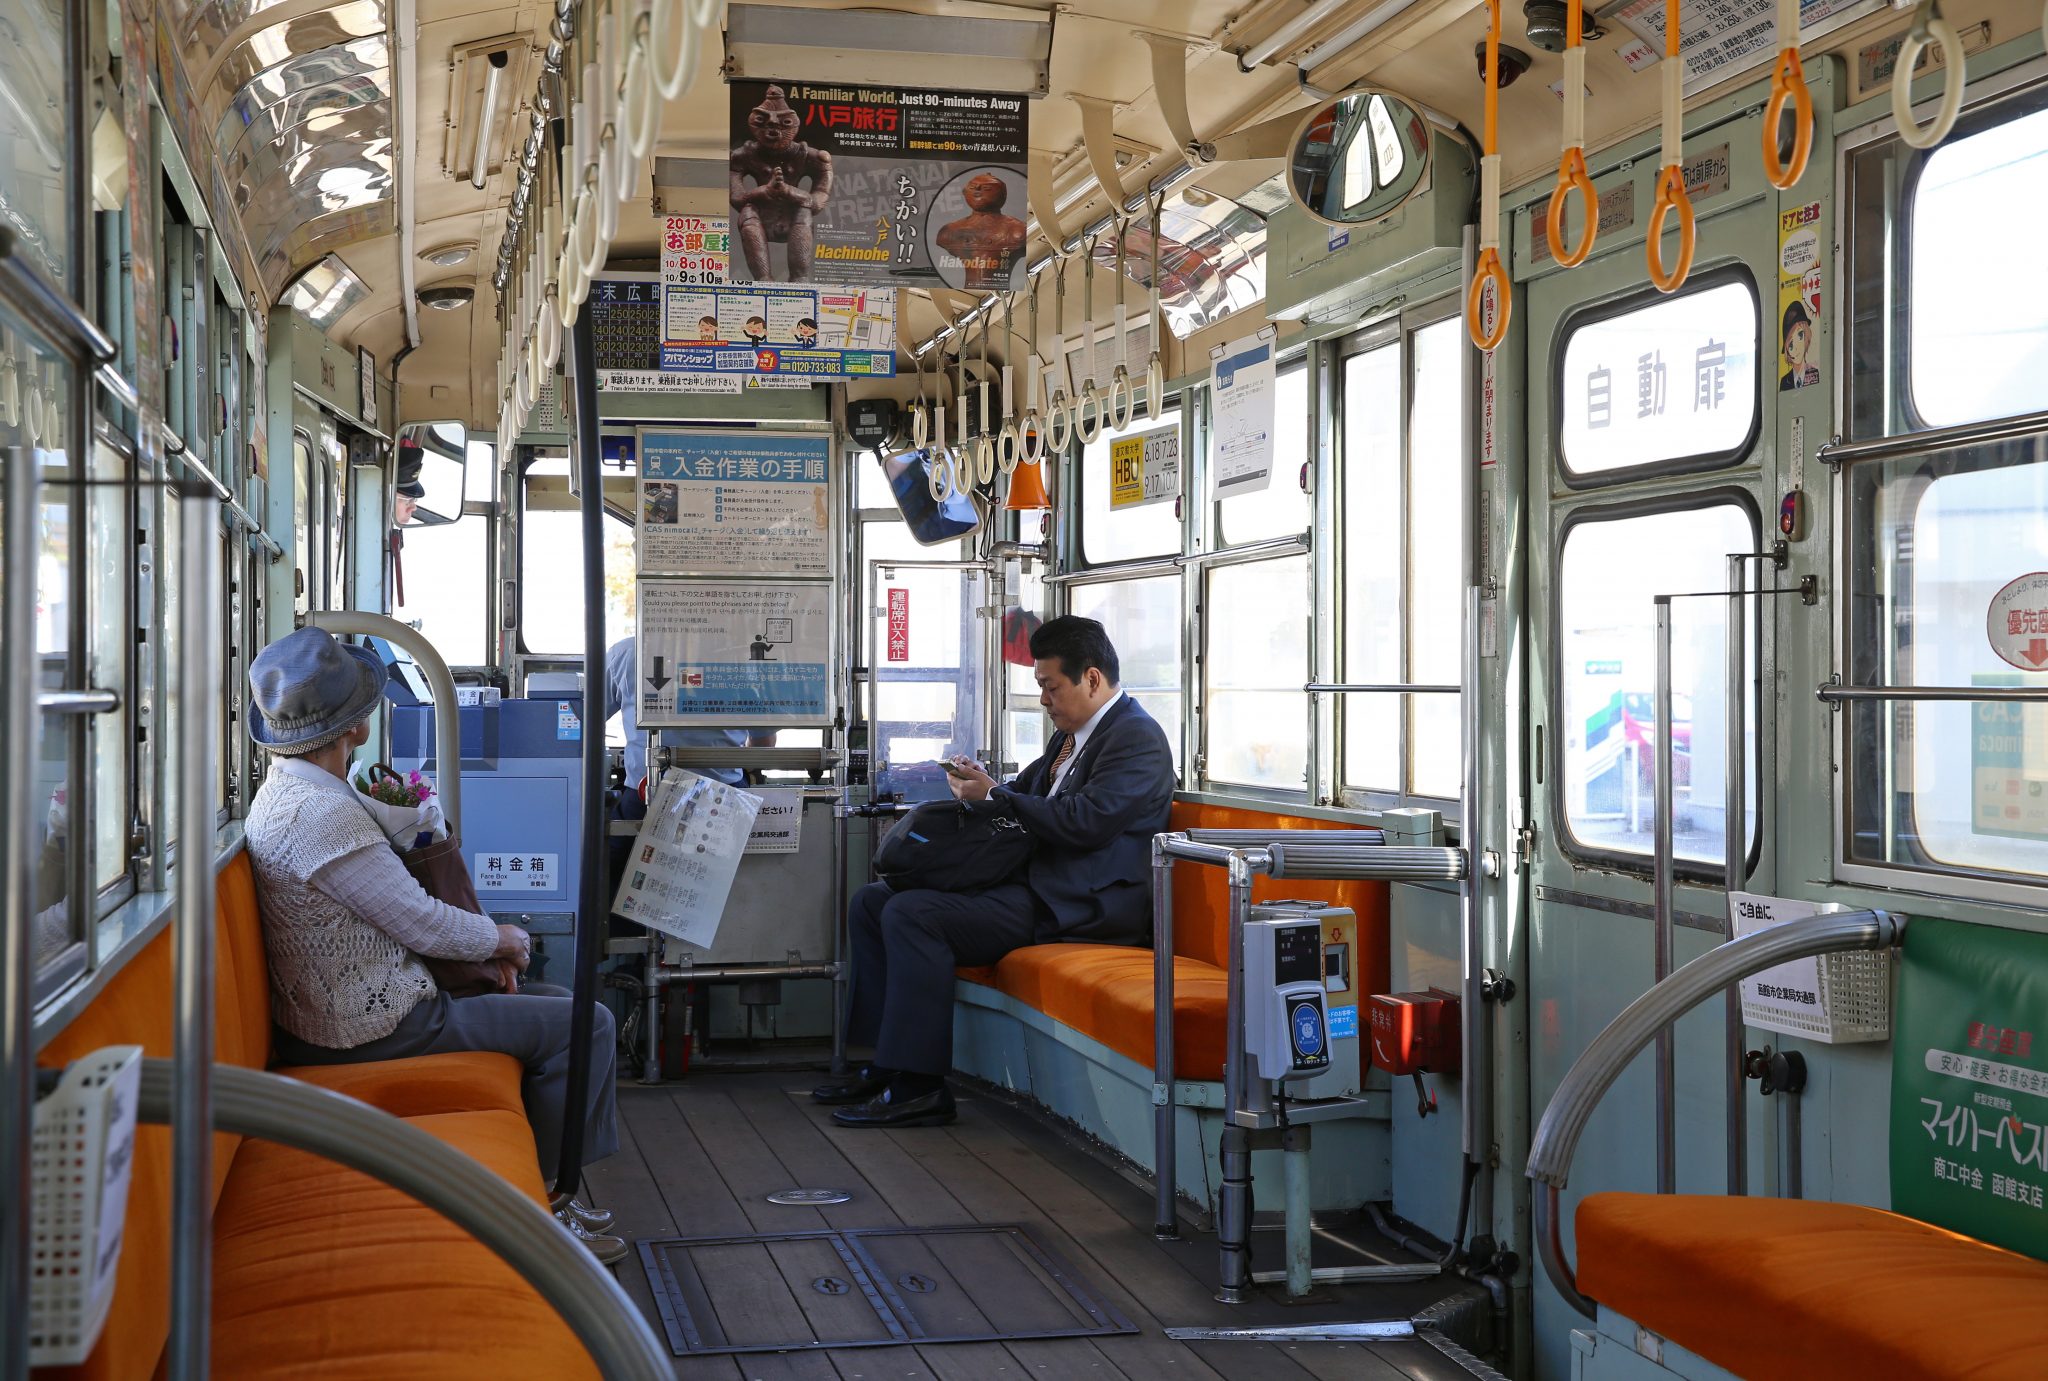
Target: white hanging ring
{"points": [[1009, 447], [1031, 437], [920, 426], [611, 164], [939, 473], [984, 460], [668, 16], [1929, 32], [1120, 384], [550, 331], [1059, 423], [705, 12], [636, 101], [1091, 396], [522, 386], [583, 231], [1155, 387], [32, 414], [10, 394]]}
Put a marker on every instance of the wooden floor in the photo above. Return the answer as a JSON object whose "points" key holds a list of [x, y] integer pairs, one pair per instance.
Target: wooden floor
{"points": [[699, 1157]]}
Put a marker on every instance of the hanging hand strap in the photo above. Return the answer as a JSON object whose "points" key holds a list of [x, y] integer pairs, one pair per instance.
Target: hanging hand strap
{"points": [[1929, 31], [1489, 268], [1788, 83], [1671, 194], [1571, 163]]}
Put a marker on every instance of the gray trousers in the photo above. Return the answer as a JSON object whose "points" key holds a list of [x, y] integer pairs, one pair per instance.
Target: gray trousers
{"points": [[532, 1027]]}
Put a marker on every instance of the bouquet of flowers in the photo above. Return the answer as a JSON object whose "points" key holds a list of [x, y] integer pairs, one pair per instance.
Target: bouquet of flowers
{"points": [[404, 807]]}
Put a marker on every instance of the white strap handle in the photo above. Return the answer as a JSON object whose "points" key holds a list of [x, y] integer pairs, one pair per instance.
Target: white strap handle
{"points": [[1930, 31]]}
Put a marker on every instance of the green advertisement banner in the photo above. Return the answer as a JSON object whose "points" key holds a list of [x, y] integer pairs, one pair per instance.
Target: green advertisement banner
{"points": [[1969, 1133]]}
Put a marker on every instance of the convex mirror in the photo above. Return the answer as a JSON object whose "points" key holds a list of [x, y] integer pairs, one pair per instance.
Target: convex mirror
{"points": [[1359, 158], [431, 461], [932, 521]]}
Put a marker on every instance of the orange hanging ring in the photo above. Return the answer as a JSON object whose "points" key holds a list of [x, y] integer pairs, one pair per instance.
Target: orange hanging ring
{"points": [[1489, 270], [1788, 83], [1671, 199], [1572, 177]]}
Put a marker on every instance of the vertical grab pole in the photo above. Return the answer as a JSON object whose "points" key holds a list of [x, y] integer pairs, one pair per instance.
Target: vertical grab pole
{"points": [[590, 921], [842, 835], [1165, 1161], [1735, 840], [1234, 1205], [17, 848], [1667, 1149], [1475, 1129], [192, 1049]]}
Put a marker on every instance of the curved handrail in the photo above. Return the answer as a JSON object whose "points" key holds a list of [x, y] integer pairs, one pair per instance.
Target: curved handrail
{"points": [[522, 1233], [447, 722], [1601, 1063]]}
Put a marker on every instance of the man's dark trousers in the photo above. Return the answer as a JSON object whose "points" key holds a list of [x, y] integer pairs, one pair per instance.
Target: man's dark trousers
{"points": [[905, 948]]}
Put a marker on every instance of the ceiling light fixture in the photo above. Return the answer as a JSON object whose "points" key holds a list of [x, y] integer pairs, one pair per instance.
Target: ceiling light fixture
{"points": [[494, 76], [448, 256], [447, 298]]}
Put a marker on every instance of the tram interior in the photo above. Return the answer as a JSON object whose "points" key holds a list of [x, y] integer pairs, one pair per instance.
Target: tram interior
{"points": [[1569, 485]]}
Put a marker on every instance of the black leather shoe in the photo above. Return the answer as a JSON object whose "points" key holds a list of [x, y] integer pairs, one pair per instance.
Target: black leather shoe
{"points": [[859, 1089], [933, 1109]]}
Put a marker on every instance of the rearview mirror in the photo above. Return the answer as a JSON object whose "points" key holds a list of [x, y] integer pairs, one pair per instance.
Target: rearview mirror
{"points": [[1359, 158], [432, 457]]}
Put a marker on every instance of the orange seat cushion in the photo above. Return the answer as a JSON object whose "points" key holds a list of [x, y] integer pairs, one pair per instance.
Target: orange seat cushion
{"points": [[461, 1081], [1105, 991], [321, 1272], [1791, 1290]]}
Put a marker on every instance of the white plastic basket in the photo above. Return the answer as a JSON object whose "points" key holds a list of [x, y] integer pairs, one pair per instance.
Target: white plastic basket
{"points": [[1836, 999], [83, 1154]]}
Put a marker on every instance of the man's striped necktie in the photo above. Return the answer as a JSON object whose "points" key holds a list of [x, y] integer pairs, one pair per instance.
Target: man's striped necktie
{"points": [[1059, 761]]}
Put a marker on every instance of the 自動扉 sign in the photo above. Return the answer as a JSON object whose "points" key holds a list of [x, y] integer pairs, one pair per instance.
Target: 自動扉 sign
{"points": [[1969, 1125], [1145, 468], [734, 503]]}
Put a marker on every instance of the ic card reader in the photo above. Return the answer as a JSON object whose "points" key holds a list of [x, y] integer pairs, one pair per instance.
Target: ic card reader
{"points": [[1286, 1030]]}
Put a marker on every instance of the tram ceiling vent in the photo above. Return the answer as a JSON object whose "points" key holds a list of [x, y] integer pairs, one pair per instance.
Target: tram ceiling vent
{"points": [[975, 46]]}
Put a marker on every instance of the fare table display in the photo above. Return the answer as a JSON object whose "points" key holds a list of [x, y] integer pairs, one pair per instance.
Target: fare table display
{"points": [[735, 596]]}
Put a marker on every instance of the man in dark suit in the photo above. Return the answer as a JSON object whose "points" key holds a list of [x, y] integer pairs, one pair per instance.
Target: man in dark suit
{"points": [[1092, 803]]}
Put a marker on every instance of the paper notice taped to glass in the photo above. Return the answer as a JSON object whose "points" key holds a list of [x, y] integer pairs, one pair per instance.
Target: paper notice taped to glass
{"points": [[685, 855]]}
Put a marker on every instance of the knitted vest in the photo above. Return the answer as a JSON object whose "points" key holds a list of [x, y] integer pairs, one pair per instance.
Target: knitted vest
{"points": [[336, 980]]}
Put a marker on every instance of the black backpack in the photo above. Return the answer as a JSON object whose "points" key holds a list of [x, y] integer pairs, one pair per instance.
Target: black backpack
{"points": [[945, 847]]}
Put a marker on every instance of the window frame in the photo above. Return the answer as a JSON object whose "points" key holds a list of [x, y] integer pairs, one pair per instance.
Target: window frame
{"points": [[1180, 400], [1922, 874], [1569, 845], [1196, 589], [1398, 332], [1636, 299], [1185, 748], [1990, 103]]}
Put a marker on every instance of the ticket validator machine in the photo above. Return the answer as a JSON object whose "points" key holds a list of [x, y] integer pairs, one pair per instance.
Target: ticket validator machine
{"points": [[1286, 1027]]}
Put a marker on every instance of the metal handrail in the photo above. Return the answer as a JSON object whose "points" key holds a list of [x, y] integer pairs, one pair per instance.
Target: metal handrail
{"points": [[47, 307], [272, 1107], [1312, 859], [1378, 688], [1832, 694], [1838, 452], [1231, 838], [18, 849], [447, 719], [1601, 1063]]}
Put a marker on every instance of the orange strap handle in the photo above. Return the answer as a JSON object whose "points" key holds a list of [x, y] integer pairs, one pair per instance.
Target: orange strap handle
{"points": [[1788, 83], [1489, 269], [1571, 163], [1671, 194]]}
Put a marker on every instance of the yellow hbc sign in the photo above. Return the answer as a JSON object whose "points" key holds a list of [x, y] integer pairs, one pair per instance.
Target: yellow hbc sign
{"points": [[1145, 468]]}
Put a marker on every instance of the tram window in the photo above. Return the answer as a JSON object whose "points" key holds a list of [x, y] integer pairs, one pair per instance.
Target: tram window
{"points": [[446, 588], [1402, 576], [480, 473], [1129, 534], [1282, 507], [550, 543], [302, 521], [1254, 664], [1952, 785], [1025, 718], [1143, 619], [1978, 200], [37, 176], [56, 917], [1670, 384], [1604, 700]]}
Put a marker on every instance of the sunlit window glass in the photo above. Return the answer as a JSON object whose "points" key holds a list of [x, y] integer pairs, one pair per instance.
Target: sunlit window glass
{"points": [[1110, 532], [1281, 507], [1672, 380], [1255, 727], [1979, 201], [1371, 590], [1143, 620], [1610, 571], [1437, 460]]}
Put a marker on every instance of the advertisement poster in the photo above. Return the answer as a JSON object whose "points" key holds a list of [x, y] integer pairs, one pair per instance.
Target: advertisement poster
{"points": [[734, 653], [1969, 1100], [864, 186], [625, 318], [685, 856], [1799, 271], [793, 334], [1145, 469], [1241, 382], [734, 503]]}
